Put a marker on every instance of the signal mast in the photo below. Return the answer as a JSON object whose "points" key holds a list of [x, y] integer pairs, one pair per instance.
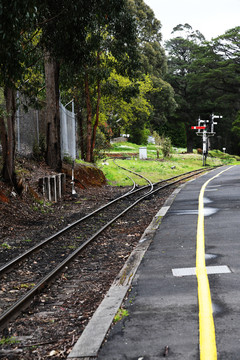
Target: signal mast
{"points": [[205, 129]]}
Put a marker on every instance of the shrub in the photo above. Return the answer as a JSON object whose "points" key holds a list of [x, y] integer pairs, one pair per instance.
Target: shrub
{"points": [[166, 146], [102, 145], [39, 148]]}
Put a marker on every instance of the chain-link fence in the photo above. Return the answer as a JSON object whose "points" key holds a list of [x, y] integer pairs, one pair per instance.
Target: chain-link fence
{"points": [[31, 126], [68, 132]]}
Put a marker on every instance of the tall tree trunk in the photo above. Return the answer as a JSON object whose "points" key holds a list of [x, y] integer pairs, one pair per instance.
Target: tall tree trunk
{"points": [[8, 138], [4, 143], [53, 153], [97, 119], [89, 119], [79, 116]]}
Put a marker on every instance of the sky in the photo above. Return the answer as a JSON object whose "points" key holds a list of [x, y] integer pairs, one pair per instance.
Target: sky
{"points": [[210, 17]]}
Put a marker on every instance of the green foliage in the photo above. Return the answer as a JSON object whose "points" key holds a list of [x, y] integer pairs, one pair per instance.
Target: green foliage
{"points": [[2, 104], [12, 51], [5, 246], [8, 341], [102, 145], [27, 285], [125, 106], [206, 79], [153, 61], [152, 169], [164, 143], [39, 148], [183, 50], [27, 240], [117, 44], [163, 102], [121, 314], [67, 159], [138, 135], [124, 147], [236, 133], [166, 146], [108, 42], [223, 156], [175, 131], [236, 126]]}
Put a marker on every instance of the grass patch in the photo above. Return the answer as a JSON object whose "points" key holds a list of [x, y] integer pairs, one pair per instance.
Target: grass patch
{"points": [[127, 148], [151, 169], [8, 340], [5, 246], [27, 240], [122, 313], [157, 169], [124, 147], [27, 286], [223, 156]]}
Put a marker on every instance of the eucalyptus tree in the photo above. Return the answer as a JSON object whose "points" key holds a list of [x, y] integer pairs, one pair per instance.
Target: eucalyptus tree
{"points": [[183, 50], [214, 80], [16, 18], [63, 31], [153, 61], [227, 81], [228, 45], [124, 101], [112, 45], [109, 43]]}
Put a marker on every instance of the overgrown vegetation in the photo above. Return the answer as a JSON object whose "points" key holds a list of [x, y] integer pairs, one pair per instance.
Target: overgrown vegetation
{"points": [[39, 148], [156, 167], [121, 314], [5, 246], [224, 156], [121, 78], [8, 340]]}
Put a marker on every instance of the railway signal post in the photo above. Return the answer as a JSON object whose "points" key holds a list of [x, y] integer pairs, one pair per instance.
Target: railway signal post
{"points": [[205, 128]]}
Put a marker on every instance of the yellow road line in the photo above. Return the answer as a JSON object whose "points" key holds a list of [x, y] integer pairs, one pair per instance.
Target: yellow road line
{"points": [[207, 341]]}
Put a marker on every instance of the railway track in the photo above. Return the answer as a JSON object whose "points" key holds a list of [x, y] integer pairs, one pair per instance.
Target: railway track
{"points": [[23, 277]]}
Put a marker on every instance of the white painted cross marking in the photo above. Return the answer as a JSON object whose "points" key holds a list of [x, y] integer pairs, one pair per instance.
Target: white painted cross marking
{"points": [[222, 269], [163, 211]]}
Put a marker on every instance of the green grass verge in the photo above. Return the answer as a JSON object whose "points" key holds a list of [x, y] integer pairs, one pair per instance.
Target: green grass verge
{"points": [[153, 168]]}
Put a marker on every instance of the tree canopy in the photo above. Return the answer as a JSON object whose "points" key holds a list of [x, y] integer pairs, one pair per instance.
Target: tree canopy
{"points": [[108, 56], [205, 78]]}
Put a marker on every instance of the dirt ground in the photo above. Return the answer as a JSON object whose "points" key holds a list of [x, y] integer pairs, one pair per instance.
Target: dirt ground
{"points": [[51, 326]]}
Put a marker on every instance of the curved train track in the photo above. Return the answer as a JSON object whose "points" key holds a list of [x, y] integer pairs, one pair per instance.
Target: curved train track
{"points": [[24, 276]]}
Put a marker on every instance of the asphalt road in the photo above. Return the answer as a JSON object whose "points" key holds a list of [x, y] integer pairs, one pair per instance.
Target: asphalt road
{"points": [[163, 320]]}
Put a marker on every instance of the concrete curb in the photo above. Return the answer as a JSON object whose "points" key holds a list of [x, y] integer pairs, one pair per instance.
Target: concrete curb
{"points": [[95, 332]]}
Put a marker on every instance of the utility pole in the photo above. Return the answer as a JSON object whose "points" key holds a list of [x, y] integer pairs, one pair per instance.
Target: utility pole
{"points": [[205, 129]]}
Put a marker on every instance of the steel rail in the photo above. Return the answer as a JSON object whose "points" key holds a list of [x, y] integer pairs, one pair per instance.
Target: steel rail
{"points": [[22, 303], [21, 257], [133, 187], [134, 183], [28, 252], [135, 173]]}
